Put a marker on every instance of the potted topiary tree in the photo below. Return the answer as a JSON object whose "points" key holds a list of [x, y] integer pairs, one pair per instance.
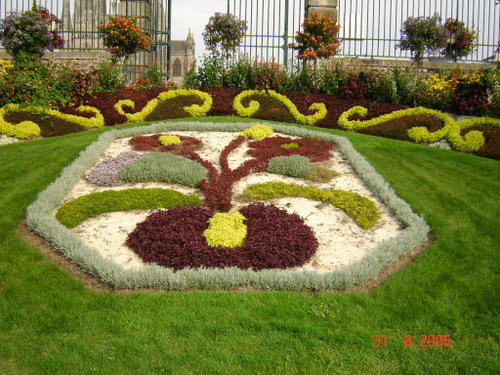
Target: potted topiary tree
{"points": [[422, 35]]}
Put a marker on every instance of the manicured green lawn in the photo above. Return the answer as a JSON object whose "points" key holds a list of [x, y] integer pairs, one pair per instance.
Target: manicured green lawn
{"points": [[51, 324]]}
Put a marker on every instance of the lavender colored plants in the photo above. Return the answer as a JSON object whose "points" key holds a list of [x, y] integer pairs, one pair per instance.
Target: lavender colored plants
{"points": [[106, 172]]}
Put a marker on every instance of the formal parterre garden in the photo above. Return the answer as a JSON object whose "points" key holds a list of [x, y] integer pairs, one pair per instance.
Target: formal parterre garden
{"points": [[224, 190], [209, 233]]}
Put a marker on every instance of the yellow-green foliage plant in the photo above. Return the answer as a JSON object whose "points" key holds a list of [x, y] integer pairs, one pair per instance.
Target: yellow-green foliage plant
{"points": [[23, 130], [226, 230], [29, 129], [253, 106], [194, 110], [168, 140], [257, 131], [363, 210], [470, 142]]}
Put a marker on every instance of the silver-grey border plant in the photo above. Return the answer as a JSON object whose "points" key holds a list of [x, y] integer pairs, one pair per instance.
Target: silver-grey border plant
{"points": [[40, 219]]}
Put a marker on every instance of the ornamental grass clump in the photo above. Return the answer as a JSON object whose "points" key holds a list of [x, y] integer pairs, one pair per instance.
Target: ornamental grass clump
{"points": [[164, 167], [293, 166], [106, 172]]}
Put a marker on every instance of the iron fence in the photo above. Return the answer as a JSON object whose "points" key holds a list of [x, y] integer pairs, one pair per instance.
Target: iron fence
{"points": [[370, 29], [81, 18], [271, 27]]}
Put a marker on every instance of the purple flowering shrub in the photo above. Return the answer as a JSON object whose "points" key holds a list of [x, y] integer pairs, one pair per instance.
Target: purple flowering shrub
{"points": [[30, 34], [106, 172], [174, 238]]}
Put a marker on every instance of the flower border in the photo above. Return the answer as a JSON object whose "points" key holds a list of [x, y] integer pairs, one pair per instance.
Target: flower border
{"points": [[40, 219]]}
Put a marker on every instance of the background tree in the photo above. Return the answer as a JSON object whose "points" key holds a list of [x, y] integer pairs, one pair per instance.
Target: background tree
{"points": [[422, 35], [318, 40], [224, 33], [460, 39], [28, 35]]}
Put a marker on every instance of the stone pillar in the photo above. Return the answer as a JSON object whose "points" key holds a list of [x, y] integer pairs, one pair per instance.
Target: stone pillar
{"points": [[327, 8]]}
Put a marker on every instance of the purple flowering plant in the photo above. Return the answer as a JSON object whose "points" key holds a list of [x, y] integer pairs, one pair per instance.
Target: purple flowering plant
{"points": [[106, 173], [223, 33], [422, 35], [460, 39], [30, 34]]}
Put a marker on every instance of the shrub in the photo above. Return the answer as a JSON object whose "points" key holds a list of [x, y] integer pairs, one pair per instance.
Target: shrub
{"points": [[394, 86], [240, 74], [174, 239], [461, 40], [364, 211], [122, 37], [23, 130], [152, 143], [223, 33], [193, 110], [72, 213], [36, 84], [106, 172], [331, 79], [318, 38], [254, 106], [257, 132], [422, 35], [314, 149], [167, 140], [109, 77], [164, 167], [294, 166], [226, 230], [208, 74], [30, 34]]}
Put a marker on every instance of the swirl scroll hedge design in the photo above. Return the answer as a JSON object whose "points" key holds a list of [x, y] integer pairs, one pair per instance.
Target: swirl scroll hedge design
{"points": [[253, 106], [451, 130], [194, 110], [29, 129]]}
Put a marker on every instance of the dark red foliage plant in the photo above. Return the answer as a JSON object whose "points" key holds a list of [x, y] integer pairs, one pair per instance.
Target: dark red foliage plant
{"points": [[174, 238], [152, 143], [316, 150]]}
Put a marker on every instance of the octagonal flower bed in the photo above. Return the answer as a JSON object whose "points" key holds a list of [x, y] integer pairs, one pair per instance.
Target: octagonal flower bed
{"points": [[214, 206]]}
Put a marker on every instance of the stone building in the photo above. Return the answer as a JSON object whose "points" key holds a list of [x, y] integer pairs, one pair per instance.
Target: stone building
{"points": [[182, 56], [83, 42]]}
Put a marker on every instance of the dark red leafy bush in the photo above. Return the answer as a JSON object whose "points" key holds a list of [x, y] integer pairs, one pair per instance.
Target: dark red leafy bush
{"points": [[174, 239], [315, 149]]}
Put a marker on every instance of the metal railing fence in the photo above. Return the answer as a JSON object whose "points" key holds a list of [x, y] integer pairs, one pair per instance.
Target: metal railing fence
{"points": [[372, 28], [81, 18], [271, 27], [369, 28]]}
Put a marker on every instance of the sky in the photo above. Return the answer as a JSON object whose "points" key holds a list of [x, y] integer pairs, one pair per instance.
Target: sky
{"points": [[194, 15]]}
